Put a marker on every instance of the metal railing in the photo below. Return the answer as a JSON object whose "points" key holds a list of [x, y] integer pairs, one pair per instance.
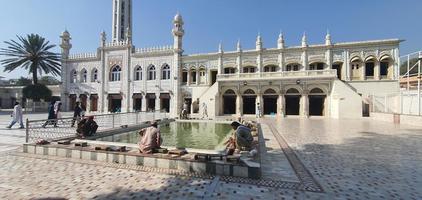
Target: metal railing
{"points": [[57, 129], [284, 74]]}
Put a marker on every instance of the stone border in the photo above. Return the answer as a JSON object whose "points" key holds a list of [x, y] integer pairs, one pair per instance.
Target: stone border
{"points": [[214, 167], [307, 181]]}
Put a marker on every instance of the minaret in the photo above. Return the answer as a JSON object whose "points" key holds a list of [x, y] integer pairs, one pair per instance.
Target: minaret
{"points": [[328, 38], [65, 45], [178, 32], [258, 42], [103, 37], [304, 40], [122, 19], [280, 41], [220, 48]]}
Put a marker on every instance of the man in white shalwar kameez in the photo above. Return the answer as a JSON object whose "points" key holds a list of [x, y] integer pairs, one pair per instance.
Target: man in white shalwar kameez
{"points": [[17, 116]]}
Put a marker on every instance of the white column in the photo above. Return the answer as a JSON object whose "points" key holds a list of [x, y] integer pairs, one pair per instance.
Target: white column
{"points": [[261, 104], [346, 64], [189, 77], [281, 105], [239, 103], [157, 102], [197, 76], [143, 104], [377, 70], [305, 105], [88, 103]]}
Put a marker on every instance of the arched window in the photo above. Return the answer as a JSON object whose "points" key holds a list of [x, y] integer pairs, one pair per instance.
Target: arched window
{"points": [[151, 72], [115, 73], [317, 66], [165, 72], [293, 67], [292, 91], [249, 69], [269, 91], [316, 91], [73, 76], [138, 73], [94, 76], [229, 70], [229, 92], [249, 91], [270, 68], [84, 76]]}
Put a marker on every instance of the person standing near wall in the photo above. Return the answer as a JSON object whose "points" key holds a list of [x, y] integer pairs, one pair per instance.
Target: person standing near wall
{"points": [[17, 116], [258, 111]]}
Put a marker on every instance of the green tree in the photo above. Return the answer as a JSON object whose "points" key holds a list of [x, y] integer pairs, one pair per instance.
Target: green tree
{"points": [[36, 92], [22, 81], [31, 53], [48, 80]]}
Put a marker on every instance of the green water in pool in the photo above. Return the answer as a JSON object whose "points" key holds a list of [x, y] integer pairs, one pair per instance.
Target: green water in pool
{"points": [[197, 135]]}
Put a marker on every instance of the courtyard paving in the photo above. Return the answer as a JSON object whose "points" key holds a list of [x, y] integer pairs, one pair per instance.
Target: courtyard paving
{"points": [[348, 159]]}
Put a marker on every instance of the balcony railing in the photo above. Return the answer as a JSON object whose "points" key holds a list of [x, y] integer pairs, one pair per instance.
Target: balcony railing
{"points": [[331, 73]]}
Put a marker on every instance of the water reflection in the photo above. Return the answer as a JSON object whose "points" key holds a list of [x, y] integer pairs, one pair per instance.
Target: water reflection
{"points": [[198, 135]]}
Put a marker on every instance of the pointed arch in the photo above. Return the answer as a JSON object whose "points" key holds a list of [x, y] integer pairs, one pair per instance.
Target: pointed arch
{"points": [[165, 72], [83, 76], [151, 72], [94, 75], [115, 73], [73, 76], [137, 73]]}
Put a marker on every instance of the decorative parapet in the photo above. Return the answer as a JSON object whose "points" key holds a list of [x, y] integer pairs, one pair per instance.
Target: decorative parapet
{"points": [[116, 44], [154, 49], [307, 74], [81, 56]]}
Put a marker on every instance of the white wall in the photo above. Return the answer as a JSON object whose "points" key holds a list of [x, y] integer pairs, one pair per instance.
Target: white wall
{"points": [[345, 103]]}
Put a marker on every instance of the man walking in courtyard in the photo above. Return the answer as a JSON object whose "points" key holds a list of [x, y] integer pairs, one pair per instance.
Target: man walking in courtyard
{"points": [[258, 110], [204, 111], [17, 116]]}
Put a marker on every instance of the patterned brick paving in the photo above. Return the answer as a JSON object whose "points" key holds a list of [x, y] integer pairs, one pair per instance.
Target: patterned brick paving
{"points": [[350, 159]]}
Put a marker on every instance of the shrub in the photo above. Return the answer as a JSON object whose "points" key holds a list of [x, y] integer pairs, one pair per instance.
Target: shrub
{"points": [[36, 92]]}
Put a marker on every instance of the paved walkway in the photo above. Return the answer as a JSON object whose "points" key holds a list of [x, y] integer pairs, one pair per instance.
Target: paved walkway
{"points": [[358, 159], [349, 159], [13, 138]]}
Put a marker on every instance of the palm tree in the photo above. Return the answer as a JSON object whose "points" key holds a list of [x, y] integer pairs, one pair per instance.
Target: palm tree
{"points": [[31, 53]]}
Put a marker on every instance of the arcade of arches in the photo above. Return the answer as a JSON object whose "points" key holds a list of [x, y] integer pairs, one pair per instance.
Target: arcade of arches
{"points": [[292, 103]]}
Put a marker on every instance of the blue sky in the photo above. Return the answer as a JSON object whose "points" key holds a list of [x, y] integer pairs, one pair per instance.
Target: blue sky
{"points": [[207, 22]]}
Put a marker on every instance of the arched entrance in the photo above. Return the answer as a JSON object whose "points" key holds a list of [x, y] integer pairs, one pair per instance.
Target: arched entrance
{"points": [[229, 102], [137, 101], [72, 101], [84, 101], [249, 102], [316, 102], [94, 102], [370, 68], [115, 102], [270, 102], [292, 101], [165, 102], [150, 100]]}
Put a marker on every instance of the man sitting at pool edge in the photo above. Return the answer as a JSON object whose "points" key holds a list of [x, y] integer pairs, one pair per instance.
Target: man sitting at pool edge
{"points": [[150, 139], [242, 137]]}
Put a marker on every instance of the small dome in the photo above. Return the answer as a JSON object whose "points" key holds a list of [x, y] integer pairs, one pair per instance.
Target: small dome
{"points": [[178, 18], [65, 33]]}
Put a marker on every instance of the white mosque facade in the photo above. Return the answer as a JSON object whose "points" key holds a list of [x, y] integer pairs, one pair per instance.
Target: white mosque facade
{"points": [[331, 79]]}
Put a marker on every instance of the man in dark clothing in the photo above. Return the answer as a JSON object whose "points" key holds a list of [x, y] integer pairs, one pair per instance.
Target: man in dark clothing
{"points": [[87, 127], [242, 139], [51, 115], [77, 113]]}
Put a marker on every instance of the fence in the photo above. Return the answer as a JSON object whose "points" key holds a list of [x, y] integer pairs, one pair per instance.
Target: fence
{"points": [[62, 128]]}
